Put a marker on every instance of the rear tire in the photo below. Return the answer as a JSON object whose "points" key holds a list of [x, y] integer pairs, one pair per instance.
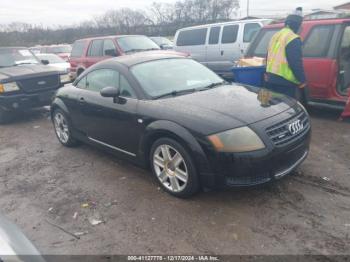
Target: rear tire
{"points": [[63, 128], [174, 168]]}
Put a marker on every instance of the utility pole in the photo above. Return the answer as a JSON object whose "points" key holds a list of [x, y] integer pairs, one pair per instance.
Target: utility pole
{"points": [[247, 8]]}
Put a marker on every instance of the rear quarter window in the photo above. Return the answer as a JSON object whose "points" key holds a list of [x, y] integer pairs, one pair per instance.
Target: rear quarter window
{"points": [[318, 41], [192, 37], [78, 49]]}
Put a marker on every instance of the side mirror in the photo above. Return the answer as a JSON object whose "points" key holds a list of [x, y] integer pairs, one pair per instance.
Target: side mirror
{"points": [[45, 62], [111, 52], [110, 91]]}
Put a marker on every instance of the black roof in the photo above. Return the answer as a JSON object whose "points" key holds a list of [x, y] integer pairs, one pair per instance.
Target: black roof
{"points": [[142, 57]]}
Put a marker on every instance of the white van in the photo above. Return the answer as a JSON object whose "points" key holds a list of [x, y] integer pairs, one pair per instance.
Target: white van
{"points": [[218, 45]]}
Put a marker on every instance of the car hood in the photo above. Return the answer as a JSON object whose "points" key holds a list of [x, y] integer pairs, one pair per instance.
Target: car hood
{"points": [[20, 71], [223, 108]]}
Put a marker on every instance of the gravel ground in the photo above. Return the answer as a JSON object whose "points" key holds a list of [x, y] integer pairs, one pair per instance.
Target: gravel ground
{"points": [[42, 183]]}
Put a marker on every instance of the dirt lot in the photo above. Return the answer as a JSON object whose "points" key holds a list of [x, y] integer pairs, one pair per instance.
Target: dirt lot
{"points": [[41, 182]]}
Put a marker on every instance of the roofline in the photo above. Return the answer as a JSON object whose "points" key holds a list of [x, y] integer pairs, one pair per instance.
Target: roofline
{"points": [[227, 22], [337, 6], [106, 36]]}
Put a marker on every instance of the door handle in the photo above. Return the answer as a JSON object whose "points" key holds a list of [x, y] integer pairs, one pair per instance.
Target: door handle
{"points": [[222, 52]]}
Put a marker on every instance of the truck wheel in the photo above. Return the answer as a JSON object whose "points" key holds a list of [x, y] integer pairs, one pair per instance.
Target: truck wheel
{"points": [[5, 116]]}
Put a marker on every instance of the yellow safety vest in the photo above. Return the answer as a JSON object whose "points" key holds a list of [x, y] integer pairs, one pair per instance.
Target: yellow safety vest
{"points": [[277, 62]]}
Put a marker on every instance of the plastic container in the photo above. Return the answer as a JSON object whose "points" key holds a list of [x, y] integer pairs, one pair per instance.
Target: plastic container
{"points": [[253, 76]]}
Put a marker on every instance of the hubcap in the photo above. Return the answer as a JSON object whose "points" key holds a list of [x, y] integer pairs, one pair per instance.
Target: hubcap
{"points": [[170, 168], [61, 127]]}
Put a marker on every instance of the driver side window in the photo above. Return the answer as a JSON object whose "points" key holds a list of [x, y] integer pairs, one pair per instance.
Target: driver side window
{"points": [[101, 78]]}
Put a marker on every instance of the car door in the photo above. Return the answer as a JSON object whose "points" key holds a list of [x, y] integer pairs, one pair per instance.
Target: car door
{"points": [[213, 48], [111, 124], [94, 53], [320, 63], [249, 32], [229, 47]]}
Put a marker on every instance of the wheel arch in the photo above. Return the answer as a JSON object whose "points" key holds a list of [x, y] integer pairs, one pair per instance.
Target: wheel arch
{"points": [[168, 129], [58, 104]]}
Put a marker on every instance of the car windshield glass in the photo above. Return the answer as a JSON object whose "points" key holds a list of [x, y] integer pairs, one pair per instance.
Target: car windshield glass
{"points": [[161, 77], [136, 43], [53, 59], [60, 49], [12, 57], [162, 41]]}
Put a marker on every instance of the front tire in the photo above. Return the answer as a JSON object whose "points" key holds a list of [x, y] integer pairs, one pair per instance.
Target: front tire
{"points": [[63, 128], [174, 168]]}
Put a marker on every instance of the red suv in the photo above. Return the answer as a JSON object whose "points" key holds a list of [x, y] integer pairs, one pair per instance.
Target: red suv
{"points": [[89, 51], [326, 58]]}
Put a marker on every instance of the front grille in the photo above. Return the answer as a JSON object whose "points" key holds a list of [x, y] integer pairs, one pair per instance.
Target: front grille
{"points": [[280, 134], [38, 84], [248, 179]]}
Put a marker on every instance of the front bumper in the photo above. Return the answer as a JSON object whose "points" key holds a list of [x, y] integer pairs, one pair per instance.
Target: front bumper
{"points": [[25, 101], [259, 167]]}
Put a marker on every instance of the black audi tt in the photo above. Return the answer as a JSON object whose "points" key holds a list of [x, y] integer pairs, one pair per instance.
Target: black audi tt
{"points": [[183, 121]]}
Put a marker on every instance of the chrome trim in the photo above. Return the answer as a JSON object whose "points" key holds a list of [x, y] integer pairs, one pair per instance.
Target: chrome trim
{"points": [[290, 169], [112, 147]]}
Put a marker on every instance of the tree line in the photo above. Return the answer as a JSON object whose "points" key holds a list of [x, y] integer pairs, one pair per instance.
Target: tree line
{"points": [[160, 19]]}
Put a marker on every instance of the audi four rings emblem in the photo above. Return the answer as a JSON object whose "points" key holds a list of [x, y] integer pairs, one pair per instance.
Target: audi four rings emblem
{"points": [[295, 127]]}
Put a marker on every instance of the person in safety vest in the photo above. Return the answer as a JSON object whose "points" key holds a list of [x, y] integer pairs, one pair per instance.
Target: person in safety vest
{"points": [[285, 70]]}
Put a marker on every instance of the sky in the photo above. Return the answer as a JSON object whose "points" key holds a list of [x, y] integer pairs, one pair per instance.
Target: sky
{"points": [[68, 12]]}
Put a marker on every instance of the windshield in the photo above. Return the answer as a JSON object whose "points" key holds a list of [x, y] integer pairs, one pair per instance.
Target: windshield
{"points": [[53, 59], [136, 43], [12, 57], [162, 41], [173, 75], [60, 49]]}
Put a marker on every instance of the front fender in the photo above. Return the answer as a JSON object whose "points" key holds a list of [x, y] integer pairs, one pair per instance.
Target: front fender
{"points": [[58, 103], [163, 128]]}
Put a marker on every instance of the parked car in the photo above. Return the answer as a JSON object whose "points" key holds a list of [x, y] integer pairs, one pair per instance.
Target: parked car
{"points": [[178, 117], [326, 58], [87, 52], [163, 42], [54, 61], [14, 245], [218, 45], [62, 51], [25, 82]]}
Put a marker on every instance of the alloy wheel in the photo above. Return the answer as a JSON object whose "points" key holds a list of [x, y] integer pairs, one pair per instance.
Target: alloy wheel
{"points": [[170, 168], [61, 128]]}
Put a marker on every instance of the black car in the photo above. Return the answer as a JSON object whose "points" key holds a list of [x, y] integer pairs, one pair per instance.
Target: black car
{"points": [[175, 115], [25, 82]]}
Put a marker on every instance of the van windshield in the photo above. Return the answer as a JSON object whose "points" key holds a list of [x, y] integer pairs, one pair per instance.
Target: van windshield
{"points": [[261, 43]]}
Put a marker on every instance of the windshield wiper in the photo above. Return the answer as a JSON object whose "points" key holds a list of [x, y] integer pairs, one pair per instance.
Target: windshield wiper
{"points": [[176, 93], [213, 85], [134, 50]]}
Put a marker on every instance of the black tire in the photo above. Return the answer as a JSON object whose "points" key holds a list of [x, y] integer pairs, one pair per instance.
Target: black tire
{"points": [[68, 141], [192, 185], [5, 116]]}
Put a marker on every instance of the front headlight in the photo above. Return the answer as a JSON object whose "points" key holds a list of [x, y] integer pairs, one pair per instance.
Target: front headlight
{"points": [[64, 78], [241, 139], [8, 87]]}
